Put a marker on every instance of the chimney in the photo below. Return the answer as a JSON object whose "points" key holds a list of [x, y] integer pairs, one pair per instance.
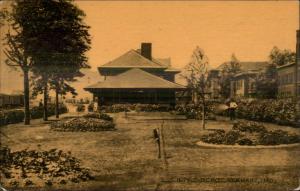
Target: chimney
{"points": [[146, 50]]}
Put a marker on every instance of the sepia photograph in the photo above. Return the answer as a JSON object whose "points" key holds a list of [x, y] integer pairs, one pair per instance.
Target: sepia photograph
{"points": [[133, 95]]}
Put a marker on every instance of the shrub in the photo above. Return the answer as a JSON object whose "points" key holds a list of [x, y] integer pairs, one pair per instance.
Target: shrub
{"points": [[231, 137], [250, 127], [251, 135], [280, 111], [17, 115], [38, 112], [82, 124], [245, 141], [91, 107], [194, 111], [11, 116], [278, 137], [62, 166], [216, 137], [99, 116], [80, 108]]}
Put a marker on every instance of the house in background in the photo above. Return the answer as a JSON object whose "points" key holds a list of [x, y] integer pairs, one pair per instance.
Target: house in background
{"points": [[243, 84], [286, 79], [136, 77], [214, 88]]}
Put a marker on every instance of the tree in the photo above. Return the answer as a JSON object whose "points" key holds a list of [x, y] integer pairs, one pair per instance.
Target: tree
{"points": [[227, 73], [59, 83], [17, 55], [281, 57], [57, 39], [267, 83], [196, 75]]}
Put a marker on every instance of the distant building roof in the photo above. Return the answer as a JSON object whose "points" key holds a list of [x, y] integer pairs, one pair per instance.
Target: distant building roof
{"points": [[246, 73], [246, 66], [135, 78], [286, 65]]}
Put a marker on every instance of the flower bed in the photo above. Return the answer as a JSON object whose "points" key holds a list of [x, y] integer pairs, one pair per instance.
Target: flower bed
{"points": [[51, 167], [82, 124], [99, 116], [250, 134]]}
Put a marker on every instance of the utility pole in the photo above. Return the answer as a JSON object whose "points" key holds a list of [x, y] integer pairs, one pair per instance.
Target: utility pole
{"points": [[297, 77]]}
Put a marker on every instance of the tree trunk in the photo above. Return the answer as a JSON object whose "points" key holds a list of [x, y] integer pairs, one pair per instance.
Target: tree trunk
{"points": [[26, 98], [56, 103], [203, 114], [45, 101]]}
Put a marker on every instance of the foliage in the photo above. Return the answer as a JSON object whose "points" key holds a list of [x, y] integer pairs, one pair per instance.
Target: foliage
{"points": [[267, 83], [55, 37], [281, 111], [228, 71], [231, 137], [17, 115], [250, 127], [245, 141], [281, 57], [196, 75], [99, 116], [30, 163], [80, 108], [38, 112], [91, 107], [82, 124], [152, 107], [11, 116], [194, 111], [250, 134], [278, 137]]}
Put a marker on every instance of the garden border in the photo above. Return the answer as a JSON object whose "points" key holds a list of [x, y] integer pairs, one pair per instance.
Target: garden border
{"points": [[201, 143]]}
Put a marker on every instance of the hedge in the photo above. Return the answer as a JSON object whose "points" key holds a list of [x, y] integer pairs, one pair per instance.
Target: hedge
{"points": [[38, 112], [275, 111], [11, 116], [17, 115]]}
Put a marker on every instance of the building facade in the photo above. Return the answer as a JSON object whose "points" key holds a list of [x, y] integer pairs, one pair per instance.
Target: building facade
{"points": [[286, 79], [244, 83], [136, 77]]}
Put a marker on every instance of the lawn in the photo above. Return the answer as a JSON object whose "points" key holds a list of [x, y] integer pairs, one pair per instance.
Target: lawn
{"points": [[127, 159]]}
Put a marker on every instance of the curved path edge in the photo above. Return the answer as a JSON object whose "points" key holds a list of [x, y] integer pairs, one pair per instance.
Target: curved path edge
{"points": [[201, 143]]}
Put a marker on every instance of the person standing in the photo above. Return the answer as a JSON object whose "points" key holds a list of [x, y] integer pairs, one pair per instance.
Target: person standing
{"points": [[232, 107]]}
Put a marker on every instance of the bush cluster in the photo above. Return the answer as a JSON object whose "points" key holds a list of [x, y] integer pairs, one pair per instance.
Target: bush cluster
{"points": [[17, 115], [278, 137], [38, 112], [194, 111], [82, 124], [136, 107], [250, 127], [99, 116], [11, 116], [52, 166], [275, 111], [80, 108], [250, 134]]}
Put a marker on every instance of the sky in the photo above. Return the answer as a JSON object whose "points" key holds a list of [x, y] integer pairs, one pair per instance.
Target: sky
{"points": [[249, 29]]}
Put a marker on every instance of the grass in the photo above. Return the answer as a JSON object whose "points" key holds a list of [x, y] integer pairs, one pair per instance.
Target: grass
{"points": [[126, 159]]}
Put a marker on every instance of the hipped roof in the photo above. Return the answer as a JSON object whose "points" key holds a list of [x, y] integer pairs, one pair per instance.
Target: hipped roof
{"points": [[135, 79], [132, 59]]}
